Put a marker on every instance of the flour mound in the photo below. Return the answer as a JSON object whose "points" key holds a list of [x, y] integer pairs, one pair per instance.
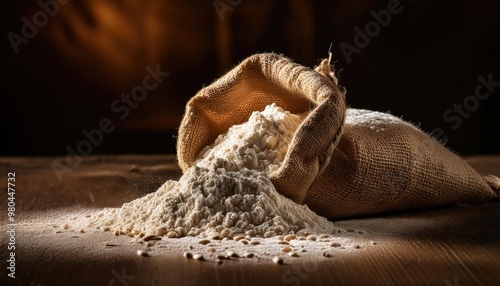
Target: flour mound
{"points": [[227, 191], [259, 144]]}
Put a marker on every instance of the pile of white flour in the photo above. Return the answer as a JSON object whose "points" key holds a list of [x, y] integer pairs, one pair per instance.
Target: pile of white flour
{"points": [[227, 192]]}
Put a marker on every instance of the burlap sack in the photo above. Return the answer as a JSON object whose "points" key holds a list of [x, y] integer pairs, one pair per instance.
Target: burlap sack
{"points": [[373, 163]]}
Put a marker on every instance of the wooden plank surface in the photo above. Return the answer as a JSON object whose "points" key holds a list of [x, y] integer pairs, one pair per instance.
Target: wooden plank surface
{"points": [[453, 245]]}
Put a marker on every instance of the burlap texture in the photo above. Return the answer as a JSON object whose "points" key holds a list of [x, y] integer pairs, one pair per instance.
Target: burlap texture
{"points": [[373, 163], [258, 81], [390, 165]]}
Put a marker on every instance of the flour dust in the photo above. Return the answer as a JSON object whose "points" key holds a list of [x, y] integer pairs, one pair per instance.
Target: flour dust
{"points": [[227, 192]]}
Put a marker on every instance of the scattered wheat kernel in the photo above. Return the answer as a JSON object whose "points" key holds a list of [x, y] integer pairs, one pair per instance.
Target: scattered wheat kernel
{"points": [[326, 254], [244, 241], [225, 238], [136, 232], [374, 243], [290, 237], [323, 236], [211, 249], [204, 241], [87, 215], [141, 235], [255, 243], [283, 242], [311, 237], [188, 254], [74, 236], [280, 237], [81, 230], [238, 237], [357, 246], [293, 254], [172, 234], [286, 249], [105, 229], [191, 247], [302, 238], [248, 254], [277, 260], [335, 244], [304, 250], [232, 254], [215, 236], [198, 257], [151, 237], [351, 230], [142, 253], [129, 234], [66, 226], [58, 231]]}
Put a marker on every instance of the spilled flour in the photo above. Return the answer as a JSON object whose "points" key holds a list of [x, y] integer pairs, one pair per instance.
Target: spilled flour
{"points": [[227, 192]]}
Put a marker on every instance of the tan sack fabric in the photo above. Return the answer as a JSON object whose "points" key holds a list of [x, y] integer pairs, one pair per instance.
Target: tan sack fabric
{"points": [[257, 82], [340, 163]]}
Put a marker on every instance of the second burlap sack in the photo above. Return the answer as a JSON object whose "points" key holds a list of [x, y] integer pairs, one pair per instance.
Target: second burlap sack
{"points": [[340, 163]]}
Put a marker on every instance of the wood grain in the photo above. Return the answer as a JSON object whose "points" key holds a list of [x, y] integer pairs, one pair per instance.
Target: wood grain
{"points": [[453, 245]]}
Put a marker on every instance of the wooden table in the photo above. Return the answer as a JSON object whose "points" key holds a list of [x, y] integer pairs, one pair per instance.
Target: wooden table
{"points": [[454, 245]]}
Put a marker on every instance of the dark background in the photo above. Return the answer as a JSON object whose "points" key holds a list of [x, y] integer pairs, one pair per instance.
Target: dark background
{"points": [[65, 78]]}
